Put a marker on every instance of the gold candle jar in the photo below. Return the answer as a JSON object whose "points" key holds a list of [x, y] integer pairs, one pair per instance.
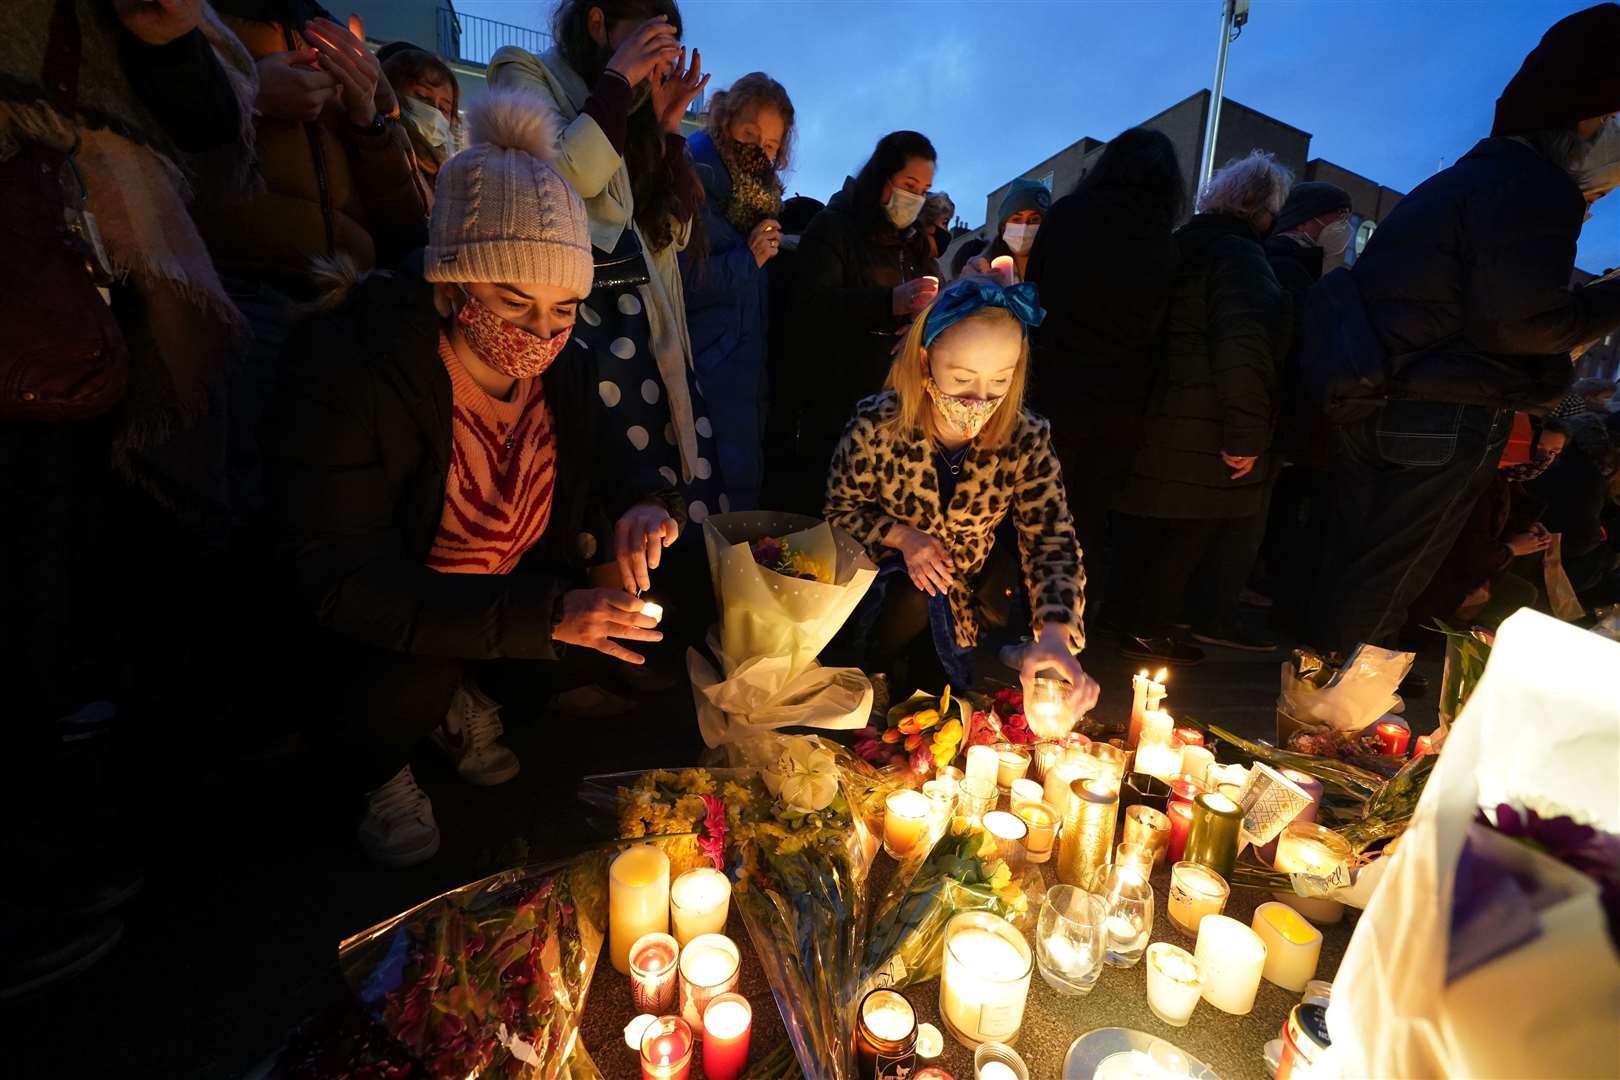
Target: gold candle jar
{"points": [[1088, 833], [1150, 828]]}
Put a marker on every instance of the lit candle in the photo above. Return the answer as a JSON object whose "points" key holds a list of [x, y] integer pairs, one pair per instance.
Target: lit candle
{"points": [[652, 973], [1088, 832], [1012, 762], [1231, 957], [1425, 745], [653, 611], [1157, 727], [1392, 737], [1307, 848], [1024, 791], [1174, 983], [1292, 945], [1158, 759], [1185, 788], [1129, 897], [727, 1022], [1181, 816], [1147, 694], [996, 1070], [1046, 709], [1041, 820], [942, 800], [1218, 774], [982, 764], [1148, 827], [1213, 838], [1196, 892], [886, 1036], [1129, 851], [708, 969], [1059, 779], [1186, 736], [1196, 760], [1009, 833], [638, 900], [699, 902], [1110, 762], [984, 982], [666, 1049], [1047, 754], [977, 798], [906, 815]]}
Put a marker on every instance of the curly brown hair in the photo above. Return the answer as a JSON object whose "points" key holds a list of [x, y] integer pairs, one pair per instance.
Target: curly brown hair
{"points": [[753, 91]]}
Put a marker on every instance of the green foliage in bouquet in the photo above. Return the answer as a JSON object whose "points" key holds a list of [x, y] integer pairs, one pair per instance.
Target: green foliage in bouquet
{"points": [[1467, 652]]}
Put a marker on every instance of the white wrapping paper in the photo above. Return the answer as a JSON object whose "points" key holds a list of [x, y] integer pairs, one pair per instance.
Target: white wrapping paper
{"points": [[773, 627], [1541, 731]]}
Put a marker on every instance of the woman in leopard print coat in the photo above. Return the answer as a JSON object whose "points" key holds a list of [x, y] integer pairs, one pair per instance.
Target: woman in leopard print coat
{"points": [[926, 473]]}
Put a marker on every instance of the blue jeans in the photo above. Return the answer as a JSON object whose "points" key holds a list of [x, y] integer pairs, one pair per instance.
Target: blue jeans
{"points": [[1407, 478]]}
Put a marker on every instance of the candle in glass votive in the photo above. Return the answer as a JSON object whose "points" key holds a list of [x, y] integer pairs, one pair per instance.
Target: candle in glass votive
{"points": [[1148, 827], [1292, 945], [1181, 816], [1009, 832], [708, 969], [1196, 760], [638, 900], [1219, 774], [1213, 838], [982, 764], [1024, 791], [1196, 891], [653, 611], [1129, 851], [941, 796], [1231, 957], [976, 798], [906, 814], [1042, 821], [1174, 983], [666, 1049], [1088, 832], [1392, 737], [1012, 762], [699, 902], [1147, 695], [1045, 755], [1129, 925], [1185, 788], [984, 982], [1059, 779], [1075, 743], [727, 1024], [1110, 762], [1307, 848], [652, 973], [1046, 709], [885, 1036]]}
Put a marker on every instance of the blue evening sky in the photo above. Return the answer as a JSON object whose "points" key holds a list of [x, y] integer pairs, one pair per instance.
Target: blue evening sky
{"points": [[1386, 89]]}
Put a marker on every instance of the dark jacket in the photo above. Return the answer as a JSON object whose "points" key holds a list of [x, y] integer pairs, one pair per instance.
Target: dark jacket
{"points": [[1217, 389], [1480, 553], [359, 455], [1576, 489], [1475, 265], [842, 316], [726, 300], [1104, 260], [1304, 435]]}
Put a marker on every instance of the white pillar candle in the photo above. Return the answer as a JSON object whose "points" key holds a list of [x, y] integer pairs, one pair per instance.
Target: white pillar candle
{"points": [[1157, 724], [906, 814], [1292, 945], [1174, 983], [1056, 792], [1196, 760], [984, 982], [1158, 759], [638, 900], [699, 902], [982, 764], [1231, 957]]}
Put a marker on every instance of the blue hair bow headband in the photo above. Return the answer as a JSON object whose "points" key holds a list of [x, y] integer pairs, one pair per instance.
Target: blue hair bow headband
{"points": [[968, 295]]}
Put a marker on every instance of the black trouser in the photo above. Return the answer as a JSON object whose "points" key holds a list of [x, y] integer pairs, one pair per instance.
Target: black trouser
{"points": [[1301, 521], [387, 703], [1212, 595], [1096, 446], [901, 644], [1156, 559], [1407, 478]]}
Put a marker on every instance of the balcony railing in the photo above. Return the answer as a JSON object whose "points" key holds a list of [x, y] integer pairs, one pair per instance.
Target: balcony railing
{"points": [[473, 40]]}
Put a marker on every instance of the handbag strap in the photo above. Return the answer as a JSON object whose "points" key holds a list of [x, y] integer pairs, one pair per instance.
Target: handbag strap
{"points": [[61, 74]]}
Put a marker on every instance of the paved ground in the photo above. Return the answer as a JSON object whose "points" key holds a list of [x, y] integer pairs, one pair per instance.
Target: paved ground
{"points": [[254, 878]]}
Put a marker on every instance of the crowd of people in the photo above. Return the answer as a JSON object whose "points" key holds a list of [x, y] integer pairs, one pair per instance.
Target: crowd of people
{"points": [[330, 374]]}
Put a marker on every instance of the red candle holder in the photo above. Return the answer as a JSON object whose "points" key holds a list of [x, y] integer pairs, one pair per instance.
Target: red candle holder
{"points": [[1186, 736], [1185, 788], [728, 1021], [666, 1049], [1425, 745], [1181, 815], [1392, 736]]}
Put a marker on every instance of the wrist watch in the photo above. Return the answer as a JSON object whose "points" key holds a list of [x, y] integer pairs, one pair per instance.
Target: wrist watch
{"points": [[376, 127]]}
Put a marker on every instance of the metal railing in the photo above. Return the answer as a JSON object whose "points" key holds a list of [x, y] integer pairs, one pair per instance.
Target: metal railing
{"points": [[473, 40]]}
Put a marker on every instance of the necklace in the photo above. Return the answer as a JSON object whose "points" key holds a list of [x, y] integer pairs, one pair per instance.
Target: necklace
{"points": [[953, 461]]}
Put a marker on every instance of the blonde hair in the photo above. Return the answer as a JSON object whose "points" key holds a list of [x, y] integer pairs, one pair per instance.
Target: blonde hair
{"points": [[756, 90], [917, 409]]}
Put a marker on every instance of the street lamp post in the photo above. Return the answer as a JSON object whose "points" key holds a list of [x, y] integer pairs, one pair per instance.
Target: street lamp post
{"points": [[1234, 13]]}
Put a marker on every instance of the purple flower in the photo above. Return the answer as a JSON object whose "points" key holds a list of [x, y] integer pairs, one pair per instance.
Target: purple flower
{"points": [[1580, 847]]}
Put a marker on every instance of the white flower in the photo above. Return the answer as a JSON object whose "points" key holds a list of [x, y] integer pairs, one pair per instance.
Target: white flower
{"points": [[805, 776]]}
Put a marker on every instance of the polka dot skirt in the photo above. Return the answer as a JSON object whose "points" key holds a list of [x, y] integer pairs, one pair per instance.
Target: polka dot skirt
{"points": [[636, 439]]}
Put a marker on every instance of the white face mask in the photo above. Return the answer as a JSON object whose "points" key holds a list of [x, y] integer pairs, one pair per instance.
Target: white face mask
{"points": [[431, 126], [1020, 237], [1335, 237], [903, 207]]}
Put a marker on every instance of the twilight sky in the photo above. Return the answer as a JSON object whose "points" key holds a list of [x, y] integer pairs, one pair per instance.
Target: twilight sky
{"points": [[1387, 88]]}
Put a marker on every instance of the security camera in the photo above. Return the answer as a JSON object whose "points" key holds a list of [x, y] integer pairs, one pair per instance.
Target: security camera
{"points": [[1240, 13]]}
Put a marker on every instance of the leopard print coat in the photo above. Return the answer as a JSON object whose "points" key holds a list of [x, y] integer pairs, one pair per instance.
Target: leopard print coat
{"points": [[882, 474]]}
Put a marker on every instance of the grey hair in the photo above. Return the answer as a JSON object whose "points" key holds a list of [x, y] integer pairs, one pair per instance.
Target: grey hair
{"points": [[1247, 187], [937, 201], [1564, 147]]}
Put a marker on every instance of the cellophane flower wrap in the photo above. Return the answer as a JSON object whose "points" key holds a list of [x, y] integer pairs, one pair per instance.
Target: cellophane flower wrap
{"points": [[784, 585], [920, 736], [487, 980]]}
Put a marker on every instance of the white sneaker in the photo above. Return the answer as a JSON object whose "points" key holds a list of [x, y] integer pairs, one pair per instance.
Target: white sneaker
{"points": [[398, 829], [468, 735]]}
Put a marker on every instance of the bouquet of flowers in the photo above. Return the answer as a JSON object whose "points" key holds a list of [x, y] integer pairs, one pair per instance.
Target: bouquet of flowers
{"points": [[684, 807], [1004, 721], [783, 585], [922, 734]]}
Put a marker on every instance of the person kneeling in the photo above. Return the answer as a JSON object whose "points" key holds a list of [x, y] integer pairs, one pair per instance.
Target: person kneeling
{"points": [[927, 471], [432, 470]]}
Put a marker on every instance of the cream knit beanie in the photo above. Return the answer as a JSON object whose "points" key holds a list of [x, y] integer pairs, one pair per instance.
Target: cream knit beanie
{"points": [[500, 211]]}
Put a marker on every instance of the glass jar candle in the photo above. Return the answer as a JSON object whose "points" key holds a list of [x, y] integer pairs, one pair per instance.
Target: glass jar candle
{"points": [[1044, 756], [1149, 828], [728, 1022], [1305, 847], [1110, 762], [885, 1037], [1009, 833], [976, 799], [652, 973], [906, 815], [1042, 821], [1024, 791], [984, 982], [1129, 925], [1069, 943], [941, 796], [998, 1061], [1213, 838], [699, 902], [1195, 892], [1046, 709], [1174, 983], [1180, 815], [708, 969], [1012, 762], [1088, 832], [666, 1049], [1128, 851]]}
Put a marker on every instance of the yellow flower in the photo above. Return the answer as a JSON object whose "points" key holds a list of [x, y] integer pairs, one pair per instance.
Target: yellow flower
{"points": [[987, 846], [1001, 878]]}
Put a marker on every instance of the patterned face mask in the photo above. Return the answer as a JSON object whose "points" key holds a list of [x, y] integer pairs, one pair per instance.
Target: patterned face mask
{"points": [[510, 350], [964, 415], [752, 159]]}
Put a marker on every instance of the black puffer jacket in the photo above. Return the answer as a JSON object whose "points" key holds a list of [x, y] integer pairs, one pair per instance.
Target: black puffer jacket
{"points": [[1475, 265], [358, 459], [1226, 329], [841, 317]]}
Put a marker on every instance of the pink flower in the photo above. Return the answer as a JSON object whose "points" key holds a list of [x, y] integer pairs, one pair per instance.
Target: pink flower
{"points": [[922, 760], [869, 749], [713, 841]]}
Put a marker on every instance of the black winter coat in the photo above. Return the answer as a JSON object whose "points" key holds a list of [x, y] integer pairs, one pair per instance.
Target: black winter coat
{"points": [[358, 460], [1304, 435], [1475, 265], [1217, 390], [842, 322], [1104, 260]]}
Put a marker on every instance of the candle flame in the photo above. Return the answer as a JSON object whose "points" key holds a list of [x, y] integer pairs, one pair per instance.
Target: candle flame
{"points": [[1164, 673]]}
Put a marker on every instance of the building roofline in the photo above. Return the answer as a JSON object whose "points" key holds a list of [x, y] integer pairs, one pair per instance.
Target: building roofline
{"points": [[1352, 172]]}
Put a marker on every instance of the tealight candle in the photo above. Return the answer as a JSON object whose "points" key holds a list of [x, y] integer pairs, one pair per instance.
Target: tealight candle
{"points": [[1392, 737], [727, 1023], [1292, 945], [653, 611], [708, 969], [1195, 892], [1174, 983], [1213, 837], [1012, 762], [1231, 957], [984, 982], [699, 902], [666, 1049], [906, 815], [1041, 820], [1149, 828], [1147, 694], [1088, 832], [1425, 745], [652, 973], [1024, 791], [1181, 816], [1196, 760], [982, 764], [638, 900]]}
